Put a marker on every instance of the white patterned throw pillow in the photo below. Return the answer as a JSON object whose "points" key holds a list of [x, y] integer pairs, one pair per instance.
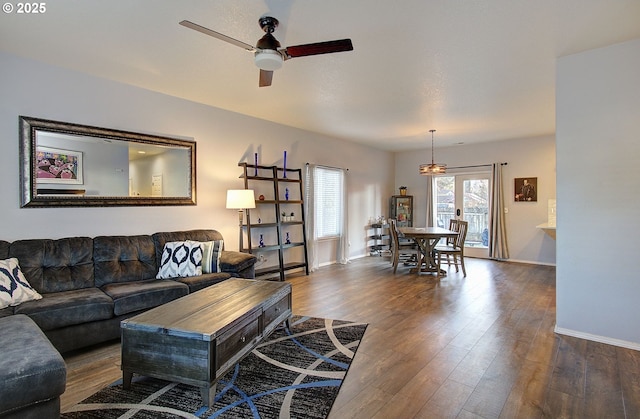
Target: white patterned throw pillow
{"points": [[14, 288], [180, 259], [211, 252]]}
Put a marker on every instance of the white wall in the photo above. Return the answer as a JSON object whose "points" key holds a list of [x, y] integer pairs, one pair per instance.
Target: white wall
{"points": [[527, 157], [223, 139], [598, 146]]}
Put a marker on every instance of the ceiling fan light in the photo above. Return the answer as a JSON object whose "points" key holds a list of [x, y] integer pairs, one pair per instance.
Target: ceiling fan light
{"points": [[268, 60]]}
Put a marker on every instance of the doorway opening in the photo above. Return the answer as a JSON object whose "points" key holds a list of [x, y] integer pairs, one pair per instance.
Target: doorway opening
{"points": [[465, 197]]}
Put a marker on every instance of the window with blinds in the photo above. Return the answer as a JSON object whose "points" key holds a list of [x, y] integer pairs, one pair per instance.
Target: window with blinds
{"points": [[328, 197]]}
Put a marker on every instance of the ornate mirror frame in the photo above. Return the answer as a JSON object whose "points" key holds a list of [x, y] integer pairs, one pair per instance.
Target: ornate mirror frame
{"points": [[31, 195]]}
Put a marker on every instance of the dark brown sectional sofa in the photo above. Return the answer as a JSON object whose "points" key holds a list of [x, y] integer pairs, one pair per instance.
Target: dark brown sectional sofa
{"points": [[89, 285]]}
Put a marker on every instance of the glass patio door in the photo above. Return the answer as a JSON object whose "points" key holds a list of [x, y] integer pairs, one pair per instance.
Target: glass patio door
{"points": [[465, 197]]}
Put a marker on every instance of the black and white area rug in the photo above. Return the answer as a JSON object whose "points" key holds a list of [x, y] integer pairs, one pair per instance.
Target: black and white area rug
{"points": [[296, 373]]}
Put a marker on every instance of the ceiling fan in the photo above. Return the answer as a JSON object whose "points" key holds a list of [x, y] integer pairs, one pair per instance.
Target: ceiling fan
{"points": [[268, 54]]}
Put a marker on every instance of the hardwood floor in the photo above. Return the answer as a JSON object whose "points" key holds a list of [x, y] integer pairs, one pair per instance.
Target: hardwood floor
{"points": [[476, 347]]}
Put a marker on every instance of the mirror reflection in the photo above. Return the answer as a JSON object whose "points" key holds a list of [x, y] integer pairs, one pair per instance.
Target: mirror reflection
{"points": [[69, 164]]}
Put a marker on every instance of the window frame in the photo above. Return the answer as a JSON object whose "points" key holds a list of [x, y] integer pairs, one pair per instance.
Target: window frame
{"points": [[321, 198]]}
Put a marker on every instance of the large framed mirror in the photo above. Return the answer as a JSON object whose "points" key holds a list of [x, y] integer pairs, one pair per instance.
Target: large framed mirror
{"points": [[72, 165]]}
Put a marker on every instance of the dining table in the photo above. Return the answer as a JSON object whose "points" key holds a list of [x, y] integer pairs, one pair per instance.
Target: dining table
{"points": [[427, 238]]}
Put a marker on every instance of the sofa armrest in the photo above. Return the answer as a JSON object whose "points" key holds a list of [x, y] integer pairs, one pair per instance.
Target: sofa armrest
{"points": [[238, 264]]}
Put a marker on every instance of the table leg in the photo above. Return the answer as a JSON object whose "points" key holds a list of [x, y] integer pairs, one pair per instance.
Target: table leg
{"points": [[208, 394], [126, 379], [427, 257], [421, 257], [433, 264]]}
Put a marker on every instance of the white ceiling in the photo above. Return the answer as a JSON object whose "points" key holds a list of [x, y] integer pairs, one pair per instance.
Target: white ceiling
{"points": [[474, 70]]}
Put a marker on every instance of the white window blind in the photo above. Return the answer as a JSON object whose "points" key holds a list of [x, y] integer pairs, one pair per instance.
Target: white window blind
{"points": [[328, 197]]}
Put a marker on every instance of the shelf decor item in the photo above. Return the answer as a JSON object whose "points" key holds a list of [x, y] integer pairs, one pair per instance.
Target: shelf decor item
{"points": [[287, 240], [284, 165], [256, 164], [403, 190]]}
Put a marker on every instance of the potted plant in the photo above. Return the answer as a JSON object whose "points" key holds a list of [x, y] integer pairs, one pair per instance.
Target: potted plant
{"points": [[403, 190]]}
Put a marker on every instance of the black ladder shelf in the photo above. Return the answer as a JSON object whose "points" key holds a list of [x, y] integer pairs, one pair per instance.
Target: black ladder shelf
{"points": [[276, 185]]}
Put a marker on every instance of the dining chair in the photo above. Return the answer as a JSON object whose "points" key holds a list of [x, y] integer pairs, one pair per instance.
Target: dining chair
{"points": [[453, 226], [454, 250], [406, 248]]}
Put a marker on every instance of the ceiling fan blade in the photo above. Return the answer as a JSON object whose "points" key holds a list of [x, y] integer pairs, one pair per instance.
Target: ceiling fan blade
{"points": [[218, 35], [265, 78], [319, 48]]}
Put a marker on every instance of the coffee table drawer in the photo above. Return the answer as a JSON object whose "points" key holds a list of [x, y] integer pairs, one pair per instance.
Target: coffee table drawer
{"points": [[235, 343], [273, 312]]}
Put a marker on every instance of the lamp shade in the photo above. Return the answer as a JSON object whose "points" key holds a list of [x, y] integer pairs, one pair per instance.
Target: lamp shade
{"points": [[240, 199]]}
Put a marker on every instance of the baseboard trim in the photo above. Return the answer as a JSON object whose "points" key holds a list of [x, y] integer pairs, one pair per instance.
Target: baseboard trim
{"points": [[529, 262], [597, 338], [323, 264]]}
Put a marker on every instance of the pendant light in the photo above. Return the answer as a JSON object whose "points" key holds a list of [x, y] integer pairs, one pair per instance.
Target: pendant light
{"points": [[433, 168]]}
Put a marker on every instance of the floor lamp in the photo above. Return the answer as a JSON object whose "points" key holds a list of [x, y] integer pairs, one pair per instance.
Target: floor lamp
{"points": [[242, 200]]}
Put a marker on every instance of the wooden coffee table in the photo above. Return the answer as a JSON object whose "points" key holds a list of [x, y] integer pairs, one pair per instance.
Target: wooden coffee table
{"points": [[196, 339]]}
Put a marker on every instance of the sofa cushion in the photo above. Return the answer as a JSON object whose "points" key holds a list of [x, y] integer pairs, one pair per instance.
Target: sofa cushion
{"points": [[55, 265], [4, 249], [141, 295], [177, 236], [124, 259], [31, 369], [180, 259], [67, 308], [14, 287], [211, 252], [4, 312], [197, 283], [236, 262]]}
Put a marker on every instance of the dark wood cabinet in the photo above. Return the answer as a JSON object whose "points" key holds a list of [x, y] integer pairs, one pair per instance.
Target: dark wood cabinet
{"points": [[401, 208]]}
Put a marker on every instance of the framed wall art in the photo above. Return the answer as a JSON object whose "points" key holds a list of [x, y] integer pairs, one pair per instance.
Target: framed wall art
{"points": [[58, 166], [526, 189]]}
